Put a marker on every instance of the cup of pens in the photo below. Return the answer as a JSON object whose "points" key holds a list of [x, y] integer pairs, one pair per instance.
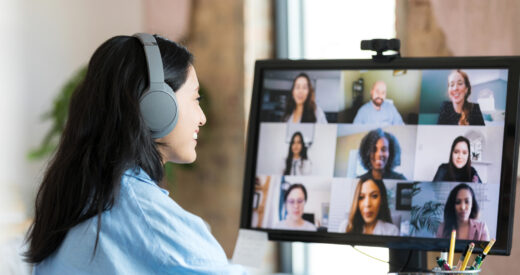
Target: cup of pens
{"points": [[445, 262]]}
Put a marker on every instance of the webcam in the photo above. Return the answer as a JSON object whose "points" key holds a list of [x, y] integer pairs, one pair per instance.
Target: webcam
{"points": [[380, 46]]}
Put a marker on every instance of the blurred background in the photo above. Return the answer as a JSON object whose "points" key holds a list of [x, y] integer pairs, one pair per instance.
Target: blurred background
{"points": [[45, 44]]}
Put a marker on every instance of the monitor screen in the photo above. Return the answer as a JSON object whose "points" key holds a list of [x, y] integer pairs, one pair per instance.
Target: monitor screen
{"points": [[391, 154]]}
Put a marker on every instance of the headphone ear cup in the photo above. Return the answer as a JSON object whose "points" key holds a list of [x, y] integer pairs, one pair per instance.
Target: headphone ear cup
{"points": [[159, 111]]}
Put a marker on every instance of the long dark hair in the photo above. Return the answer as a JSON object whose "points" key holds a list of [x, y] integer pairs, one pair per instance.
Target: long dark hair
{"points": [[450, 217], [355, 221], [368, 143], [303, 153], [309, 106], [467, 106], [104, 136], [466, 169]]}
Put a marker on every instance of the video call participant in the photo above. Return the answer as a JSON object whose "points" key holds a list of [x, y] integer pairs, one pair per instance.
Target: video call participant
{"points": [[296, 163], [100, 208], [294, 200], [369, 213], [460, 213], [458, 111], [380, 153], [301, 105], [459, 166], [378, 110]]}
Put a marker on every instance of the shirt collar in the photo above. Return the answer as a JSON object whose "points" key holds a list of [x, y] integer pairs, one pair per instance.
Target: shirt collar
{"points": [[141, 175]]}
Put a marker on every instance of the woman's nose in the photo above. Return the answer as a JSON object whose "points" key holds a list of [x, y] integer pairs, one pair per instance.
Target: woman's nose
{"points": [[202, 119], [367, 203]]}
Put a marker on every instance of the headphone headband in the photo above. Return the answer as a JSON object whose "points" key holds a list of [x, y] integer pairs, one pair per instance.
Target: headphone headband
{"points": [[153, 57]]}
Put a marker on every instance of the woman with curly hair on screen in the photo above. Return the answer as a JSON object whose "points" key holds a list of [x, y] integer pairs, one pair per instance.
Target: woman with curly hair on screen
{"points": [[380, 153]]}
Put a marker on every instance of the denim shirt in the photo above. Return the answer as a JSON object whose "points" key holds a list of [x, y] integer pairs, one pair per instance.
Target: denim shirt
{"points": [[145, 232]]}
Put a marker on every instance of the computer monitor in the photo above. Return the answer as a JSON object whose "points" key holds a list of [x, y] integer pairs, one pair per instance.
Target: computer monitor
{"points": [[393, 154]]}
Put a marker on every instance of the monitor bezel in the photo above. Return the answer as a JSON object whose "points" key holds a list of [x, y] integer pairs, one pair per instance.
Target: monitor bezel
{"points": [[509, 151]]}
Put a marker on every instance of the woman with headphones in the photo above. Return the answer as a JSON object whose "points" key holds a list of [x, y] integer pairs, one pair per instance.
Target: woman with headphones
{"points": [[101, 208]]}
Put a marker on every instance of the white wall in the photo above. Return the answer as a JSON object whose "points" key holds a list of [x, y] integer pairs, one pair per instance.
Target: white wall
{"points": [[43, 44], [273, 148]]}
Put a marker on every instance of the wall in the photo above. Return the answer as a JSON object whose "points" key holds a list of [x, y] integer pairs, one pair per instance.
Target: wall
{"points": [[464, 28], [48, 42]]}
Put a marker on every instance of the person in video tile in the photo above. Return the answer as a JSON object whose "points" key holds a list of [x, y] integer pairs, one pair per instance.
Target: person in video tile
{"points": [[294, 200], [459, 167], [378, 110], [301, 105], [458, 111], [369, 213], [297, 162], [380, 153], [460, 213]]}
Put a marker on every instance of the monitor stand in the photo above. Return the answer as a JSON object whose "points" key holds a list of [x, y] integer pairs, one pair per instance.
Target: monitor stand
{"points": [[403, 260]]}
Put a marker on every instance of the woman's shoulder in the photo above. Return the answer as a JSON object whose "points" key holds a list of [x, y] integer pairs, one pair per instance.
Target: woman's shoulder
{"points": [[478, 223], [440, 230], [387, 228], [343, 226], [443, 166], [308, 225], [320, 115], [280, 225], [446, 106], [475, 107], [394, 175]]}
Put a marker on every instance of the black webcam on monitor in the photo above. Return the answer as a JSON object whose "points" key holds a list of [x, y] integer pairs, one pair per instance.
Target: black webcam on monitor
{"points": [[380, 46]]}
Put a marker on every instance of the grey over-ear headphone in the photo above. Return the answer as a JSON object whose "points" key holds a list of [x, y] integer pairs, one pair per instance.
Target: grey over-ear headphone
{"points": [[158, 103]]}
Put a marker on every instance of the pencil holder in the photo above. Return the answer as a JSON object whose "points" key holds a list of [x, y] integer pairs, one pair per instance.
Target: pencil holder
{"points": [[436, 271], [454, 272]]}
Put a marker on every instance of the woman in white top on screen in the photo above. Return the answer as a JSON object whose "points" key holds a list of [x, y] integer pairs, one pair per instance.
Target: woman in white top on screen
{"points": [[369, 213], [301, 106], [296, 162], [294, 200]]}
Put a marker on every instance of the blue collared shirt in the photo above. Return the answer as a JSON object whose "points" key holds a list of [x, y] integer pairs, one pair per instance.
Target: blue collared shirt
{"points": [[145, 232], [387, 115]]}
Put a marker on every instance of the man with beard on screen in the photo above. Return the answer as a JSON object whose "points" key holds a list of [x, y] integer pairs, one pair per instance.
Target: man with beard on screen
{"points": [[378, 111]]}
